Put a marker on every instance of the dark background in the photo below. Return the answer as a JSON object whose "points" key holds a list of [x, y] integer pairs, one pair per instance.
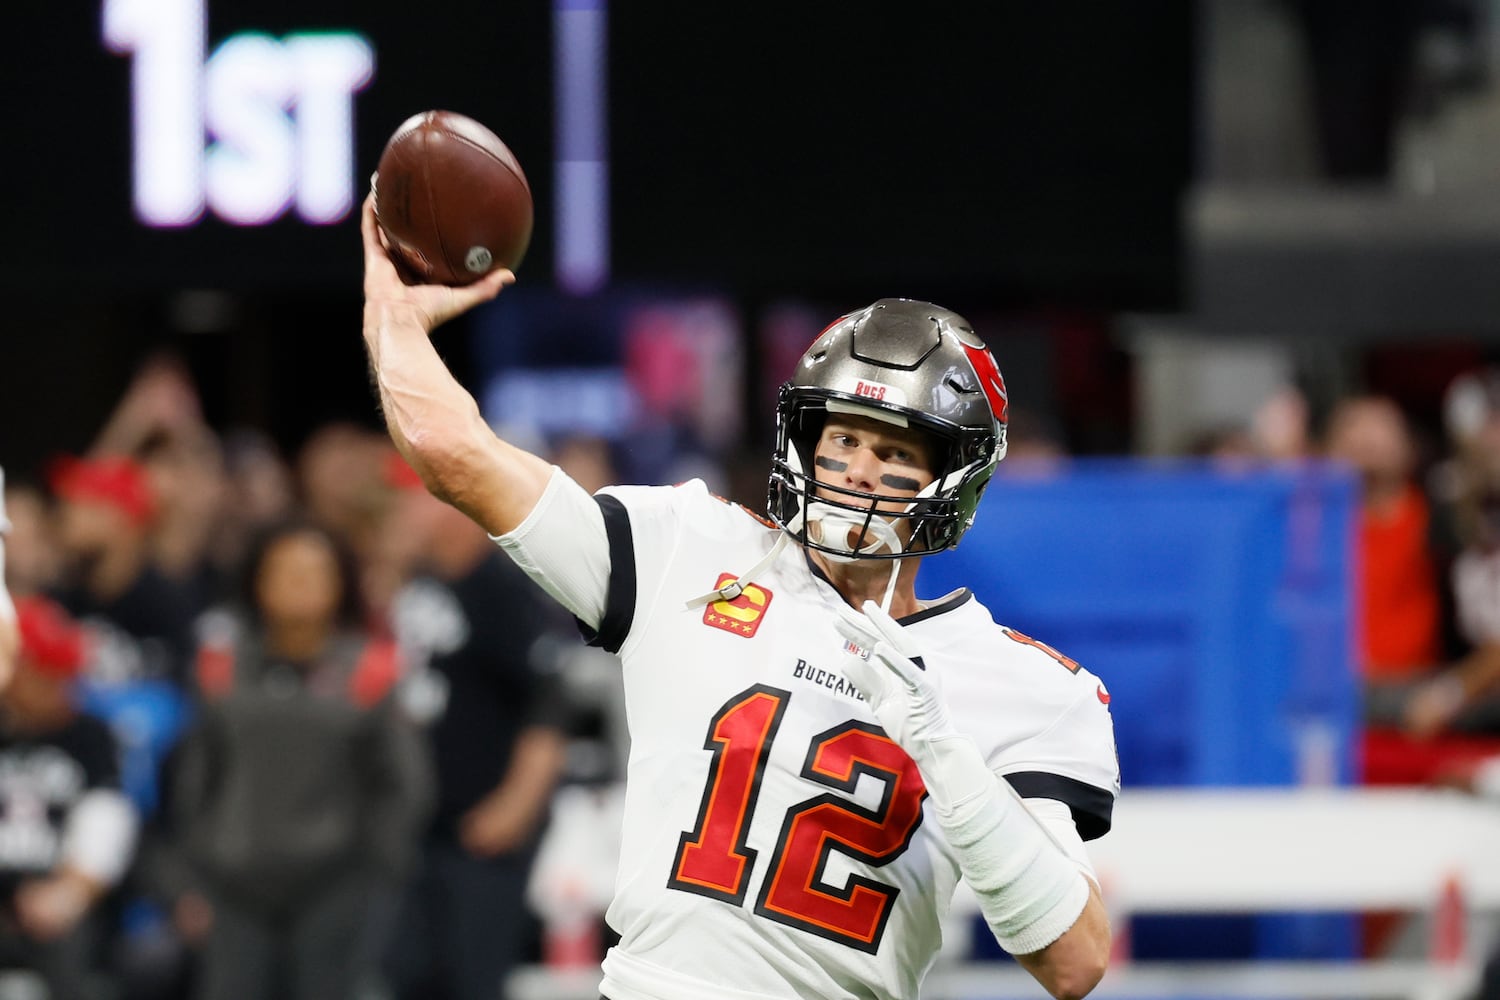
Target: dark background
{"points": [[991, 156], [1011, 150]]}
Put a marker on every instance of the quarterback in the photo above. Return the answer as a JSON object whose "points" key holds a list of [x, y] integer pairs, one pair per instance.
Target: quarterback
{"points": [[817, 755]]}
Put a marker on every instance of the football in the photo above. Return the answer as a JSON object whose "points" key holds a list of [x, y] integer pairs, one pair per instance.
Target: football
{"points": [[452, 200]]}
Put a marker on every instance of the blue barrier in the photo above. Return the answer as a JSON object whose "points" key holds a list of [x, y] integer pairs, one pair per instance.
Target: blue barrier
{"points": [[1217, 607]]}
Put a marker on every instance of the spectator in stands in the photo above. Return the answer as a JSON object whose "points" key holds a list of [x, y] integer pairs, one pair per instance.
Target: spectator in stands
{"points": [[191, 488], [1277, 432], [471, 627], [140, 620], [300, 789], [1035, 441], [159, 423], [10, 636], [67, 834], [1280, 428], [161, 400], [1398, 602], [262, 491], [1229, 446], [33, 560], [341, 474], [144, 620], [1462, 697]]}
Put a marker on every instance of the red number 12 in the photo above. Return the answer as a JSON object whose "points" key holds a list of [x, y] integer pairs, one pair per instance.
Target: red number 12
{"points": [[713, 859]]}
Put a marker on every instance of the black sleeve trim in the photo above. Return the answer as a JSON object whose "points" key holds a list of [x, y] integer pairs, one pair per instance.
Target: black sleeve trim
{"points": [[1092, 807], [619, 601]]}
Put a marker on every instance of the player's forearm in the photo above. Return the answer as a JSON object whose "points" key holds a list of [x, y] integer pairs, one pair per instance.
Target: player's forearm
{"points": [[437, 426], [419, 397], [1038, 903], [1071, 966]]}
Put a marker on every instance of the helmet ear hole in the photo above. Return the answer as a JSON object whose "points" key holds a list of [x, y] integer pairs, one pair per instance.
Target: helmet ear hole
{"points": [[804, 430]]}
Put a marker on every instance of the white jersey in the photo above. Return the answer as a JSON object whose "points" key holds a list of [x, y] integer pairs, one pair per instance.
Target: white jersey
{"points": [[776, 843]]}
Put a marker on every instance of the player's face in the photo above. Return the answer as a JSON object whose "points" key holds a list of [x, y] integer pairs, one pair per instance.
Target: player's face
{"points": [[872, 456]]}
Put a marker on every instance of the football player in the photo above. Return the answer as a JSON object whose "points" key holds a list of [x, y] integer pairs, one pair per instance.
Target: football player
{"points": [[818, 755]]}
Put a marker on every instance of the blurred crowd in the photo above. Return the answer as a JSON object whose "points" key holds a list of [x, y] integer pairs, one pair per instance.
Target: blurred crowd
{"points": [[1426, 593], [275, 727], [1426, 569], [286, 726]]}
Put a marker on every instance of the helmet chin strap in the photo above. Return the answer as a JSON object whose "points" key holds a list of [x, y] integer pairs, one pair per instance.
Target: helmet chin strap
{"points": [[839, 521], [831, 527], [842, 522], [735, 588], [890, 586], [835, 523]]}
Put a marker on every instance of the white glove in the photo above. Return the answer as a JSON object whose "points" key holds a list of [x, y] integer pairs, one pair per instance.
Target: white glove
{"points": [[909, 704], [1028, 889]]}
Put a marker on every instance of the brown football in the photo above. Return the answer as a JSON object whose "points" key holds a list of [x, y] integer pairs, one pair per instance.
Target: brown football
{"points": [[452, 200]]}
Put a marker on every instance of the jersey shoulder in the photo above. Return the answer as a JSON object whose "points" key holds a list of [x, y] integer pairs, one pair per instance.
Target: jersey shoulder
{"points": [[690, 507], [1041, 717], [1007, 650]]}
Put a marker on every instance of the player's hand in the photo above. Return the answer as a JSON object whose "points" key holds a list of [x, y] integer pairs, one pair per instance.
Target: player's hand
{"points": [[909, 703], [902, 695], [428, 305]]}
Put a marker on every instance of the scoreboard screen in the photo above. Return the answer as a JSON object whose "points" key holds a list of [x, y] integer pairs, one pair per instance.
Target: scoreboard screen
{"points": [[1028, 151], [165, 144]]}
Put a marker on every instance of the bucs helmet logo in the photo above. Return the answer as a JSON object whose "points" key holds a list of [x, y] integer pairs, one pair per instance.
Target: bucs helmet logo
{"points": [[990, 380]]}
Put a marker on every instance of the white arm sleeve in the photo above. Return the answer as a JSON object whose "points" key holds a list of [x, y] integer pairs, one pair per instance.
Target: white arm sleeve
{"points": [[562, 545], [1029, 888], [99, 836], [1057, 819]]}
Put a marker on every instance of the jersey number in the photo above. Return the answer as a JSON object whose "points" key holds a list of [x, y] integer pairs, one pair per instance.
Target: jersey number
{"points": [[1026, 640], [713, 859]]}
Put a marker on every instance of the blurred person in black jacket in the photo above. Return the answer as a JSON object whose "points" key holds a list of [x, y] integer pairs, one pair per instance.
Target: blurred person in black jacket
{"points": [[471, 625], [67, 833]]}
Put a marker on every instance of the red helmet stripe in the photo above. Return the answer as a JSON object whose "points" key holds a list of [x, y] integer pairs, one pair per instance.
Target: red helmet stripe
{"points": [[991, 381], [830, 326]]}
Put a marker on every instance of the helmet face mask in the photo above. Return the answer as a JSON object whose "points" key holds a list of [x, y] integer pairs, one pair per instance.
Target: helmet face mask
{"points": [[912, 364]]}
